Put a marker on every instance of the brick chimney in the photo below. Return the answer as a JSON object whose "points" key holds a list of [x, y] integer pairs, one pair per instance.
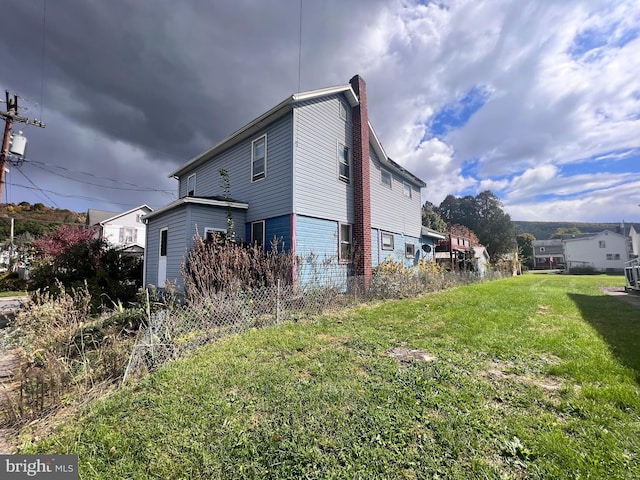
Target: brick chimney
{"points": [[361, 184]]}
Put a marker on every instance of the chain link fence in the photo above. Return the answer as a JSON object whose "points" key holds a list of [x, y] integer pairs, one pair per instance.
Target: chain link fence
{"points": [[179, 328]]}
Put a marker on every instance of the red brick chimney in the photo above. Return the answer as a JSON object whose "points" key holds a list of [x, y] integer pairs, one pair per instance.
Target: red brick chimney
{"points": [[361, 183]]}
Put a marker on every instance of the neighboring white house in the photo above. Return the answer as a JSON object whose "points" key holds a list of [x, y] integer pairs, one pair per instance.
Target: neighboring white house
{"points": [[634, 234], [604, 251], [481, 258], [124, 229]]}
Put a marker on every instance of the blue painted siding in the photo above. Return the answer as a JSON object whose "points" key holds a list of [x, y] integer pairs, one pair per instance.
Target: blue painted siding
{"points": [[268, 197], [206, 216], [398, 254], [317, 251], [390, 209], [278, 228], [375, 247], [317, 188], [175, 222]]}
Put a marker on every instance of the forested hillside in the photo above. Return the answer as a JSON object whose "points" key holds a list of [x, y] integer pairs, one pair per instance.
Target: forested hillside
{"points": [[35, 219], [544, 230]]}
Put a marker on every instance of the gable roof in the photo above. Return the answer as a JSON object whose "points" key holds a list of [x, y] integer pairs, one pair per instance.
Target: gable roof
{"points": [[278, 111], [100, 217], [591, 236]]}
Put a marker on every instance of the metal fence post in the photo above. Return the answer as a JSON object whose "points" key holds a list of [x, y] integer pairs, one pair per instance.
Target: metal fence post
{"points": [[278, 301]]}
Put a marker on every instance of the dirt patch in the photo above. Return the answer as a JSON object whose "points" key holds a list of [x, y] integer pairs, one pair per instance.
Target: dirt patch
{"points": [[407, 355], [494, 373]]}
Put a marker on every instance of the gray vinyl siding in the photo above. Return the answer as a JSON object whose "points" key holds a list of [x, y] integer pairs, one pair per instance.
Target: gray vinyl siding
{"points": [[317, 189], [390, 209], [268, 197], [175, 222]]}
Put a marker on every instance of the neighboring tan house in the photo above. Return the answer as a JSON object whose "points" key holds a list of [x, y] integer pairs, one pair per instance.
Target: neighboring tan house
{"points": [[603, 252], [311, 172], [124, 230]]}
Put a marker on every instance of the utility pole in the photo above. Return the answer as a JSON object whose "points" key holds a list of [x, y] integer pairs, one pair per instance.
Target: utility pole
{"points": [[10, 116]]}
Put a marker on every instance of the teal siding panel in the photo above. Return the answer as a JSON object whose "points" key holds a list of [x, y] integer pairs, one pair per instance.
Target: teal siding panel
{"points": [[317, 252]]}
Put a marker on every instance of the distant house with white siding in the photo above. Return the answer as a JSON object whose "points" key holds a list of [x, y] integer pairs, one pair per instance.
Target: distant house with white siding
{"points": [[310, 171], [124, 230], [604, 251]]}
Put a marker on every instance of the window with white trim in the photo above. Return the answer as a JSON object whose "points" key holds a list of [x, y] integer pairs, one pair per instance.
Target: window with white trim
{"points": [[616, 256], [410, 250], [385, 178], [128, 235], [257, 232], [344, 162], [343, 111], [387, 241], [259, 158], [191, 185], [609, 256], [345, 242], [406, 190], [602, 244]]}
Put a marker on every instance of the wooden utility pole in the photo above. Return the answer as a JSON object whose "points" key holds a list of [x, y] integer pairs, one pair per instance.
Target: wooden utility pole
{"points": [[10, 116]]}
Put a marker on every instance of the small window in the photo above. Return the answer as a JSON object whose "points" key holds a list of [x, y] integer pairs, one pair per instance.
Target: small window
{"points": [[343, 111], [609, 256], [138, 218], [602, 244], [128, 235], [344, 162], [387, 241], [259, 158], [164, 236], [345, 242], [385, 178], [191, 185], [257, 233], [410, 250], [616, 256], [406, 190]]}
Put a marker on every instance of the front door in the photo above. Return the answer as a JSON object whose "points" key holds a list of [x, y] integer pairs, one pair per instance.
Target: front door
{"points": [[162, 259]]}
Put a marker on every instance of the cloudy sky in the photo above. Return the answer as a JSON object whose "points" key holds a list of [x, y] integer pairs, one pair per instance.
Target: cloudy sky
{"points": [[537, 101]]}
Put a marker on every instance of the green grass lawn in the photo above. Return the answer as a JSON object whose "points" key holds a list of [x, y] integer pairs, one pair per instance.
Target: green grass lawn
{"points": [[528, 377]]}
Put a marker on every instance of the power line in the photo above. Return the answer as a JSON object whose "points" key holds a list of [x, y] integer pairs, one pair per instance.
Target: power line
{"points": [[42, 65], [37, 188], [136, 187]]}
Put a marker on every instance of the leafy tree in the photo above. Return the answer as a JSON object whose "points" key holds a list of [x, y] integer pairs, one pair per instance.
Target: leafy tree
{"points": [[560, 232], [431, 219], [525, 248]]}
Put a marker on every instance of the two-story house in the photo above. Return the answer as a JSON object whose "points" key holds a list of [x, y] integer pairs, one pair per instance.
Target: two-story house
{"points": [[310, 171], [604, 251], [124, 230]]}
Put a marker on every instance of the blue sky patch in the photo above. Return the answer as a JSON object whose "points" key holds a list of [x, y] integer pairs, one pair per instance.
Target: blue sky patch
{"points": [[456, 114], [587, 42]]}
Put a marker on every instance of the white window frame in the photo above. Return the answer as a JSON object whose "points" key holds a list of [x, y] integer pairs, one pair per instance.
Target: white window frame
{"points": [[342, 109], [345, 242], [616, 256], [191, 192], [390, 245], [260, 241], [128, 230], [410, 250], [340, 147], [407, 191], [258, 176], [383, 174], [602, 244]]}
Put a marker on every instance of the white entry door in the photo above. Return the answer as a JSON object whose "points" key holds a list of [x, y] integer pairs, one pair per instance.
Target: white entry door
{"points": [[162, 258]]}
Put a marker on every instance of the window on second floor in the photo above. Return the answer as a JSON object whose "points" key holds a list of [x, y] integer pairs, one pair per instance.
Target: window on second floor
{"points": [[385, 178], [128, 235], [259, 158], [343, 111], [602, 244], [406, 190], [257, 233], [387, 241], [345, 242], [344, 162], [191, 185]]}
